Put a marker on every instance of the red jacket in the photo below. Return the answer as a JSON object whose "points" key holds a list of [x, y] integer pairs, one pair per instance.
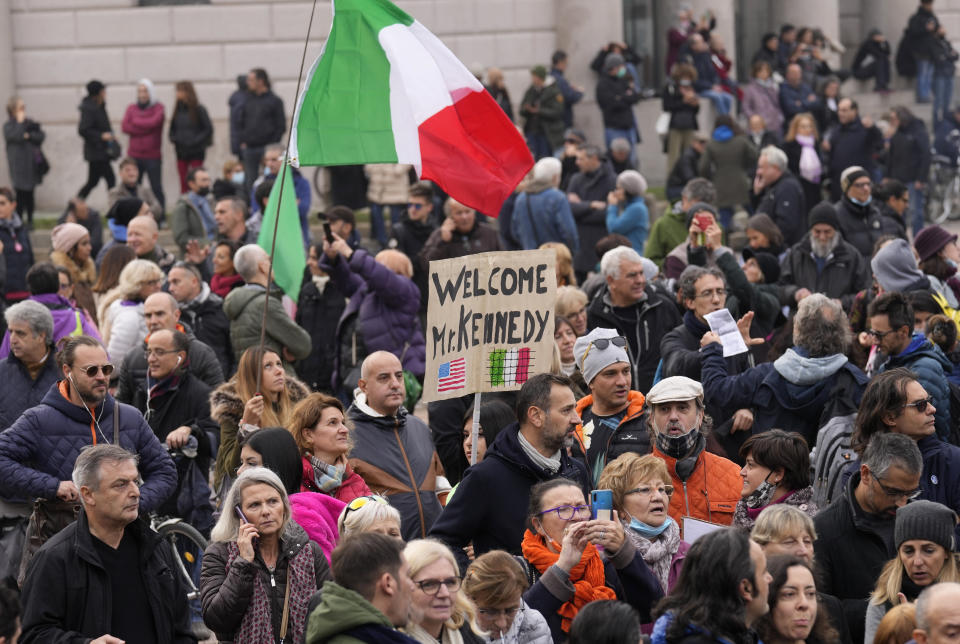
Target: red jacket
{"points": [[352, 486], [145, 127], [711, 492]]}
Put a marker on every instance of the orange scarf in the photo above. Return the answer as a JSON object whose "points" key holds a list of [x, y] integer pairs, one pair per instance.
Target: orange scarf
{"points": [[587, 577]]}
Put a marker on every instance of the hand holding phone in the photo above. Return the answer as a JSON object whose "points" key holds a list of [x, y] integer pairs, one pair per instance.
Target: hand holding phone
{"points": [[327, 233], [246, 535], [601, 503]]}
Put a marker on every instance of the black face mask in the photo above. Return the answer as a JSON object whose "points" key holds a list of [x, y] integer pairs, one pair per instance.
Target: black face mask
{"points": [[202, 191]]}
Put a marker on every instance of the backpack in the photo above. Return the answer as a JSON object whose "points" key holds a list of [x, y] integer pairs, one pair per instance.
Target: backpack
{"points": [[829, 458]]}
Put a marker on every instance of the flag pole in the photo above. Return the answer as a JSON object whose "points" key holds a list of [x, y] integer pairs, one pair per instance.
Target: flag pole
{"points": [[282, 178]]}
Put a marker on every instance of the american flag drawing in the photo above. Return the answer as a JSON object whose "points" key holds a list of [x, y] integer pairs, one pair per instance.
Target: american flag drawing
{"points": [[452, 375]]}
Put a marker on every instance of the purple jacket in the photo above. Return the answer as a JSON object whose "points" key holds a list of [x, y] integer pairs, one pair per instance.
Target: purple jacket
{"points": [[387, 306], [66, 321]]}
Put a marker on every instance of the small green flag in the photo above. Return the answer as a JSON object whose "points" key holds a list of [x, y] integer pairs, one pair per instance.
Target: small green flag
{"points": [[288, 258]]}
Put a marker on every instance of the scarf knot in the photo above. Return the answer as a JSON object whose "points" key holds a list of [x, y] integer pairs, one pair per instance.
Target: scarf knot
{"points": [[810, 167]]}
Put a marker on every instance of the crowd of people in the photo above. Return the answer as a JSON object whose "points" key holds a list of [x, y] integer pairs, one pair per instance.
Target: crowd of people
{"points": [[658, 484]]}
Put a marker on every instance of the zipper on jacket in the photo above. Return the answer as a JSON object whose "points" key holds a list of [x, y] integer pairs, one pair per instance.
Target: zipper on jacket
{"points": [[413, 482], [686, 501], [273, 581]]}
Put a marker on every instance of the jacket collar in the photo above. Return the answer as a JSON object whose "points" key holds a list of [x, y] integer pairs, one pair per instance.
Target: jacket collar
{"points": [[83, 539]]}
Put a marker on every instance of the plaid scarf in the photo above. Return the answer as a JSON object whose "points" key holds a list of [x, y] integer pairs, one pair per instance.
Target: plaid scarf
{"points": [[326, 478]]}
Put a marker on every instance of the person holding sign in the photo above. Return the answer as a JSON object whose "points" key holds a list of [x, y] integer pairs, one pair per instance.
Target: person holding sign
{"points": [[707, 486], [612, 412]]}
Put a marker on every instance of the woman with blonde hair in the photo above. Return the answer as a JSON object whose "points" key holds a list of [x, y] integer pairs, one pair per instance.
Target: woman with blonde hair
{"points": [[924, 537], [495, 582], [122, 324], [371, 513], [446, 614], [241, 409], [257, 575], [565, 276], [572, 305], [801, 144], [324, 442], [897, 625]]}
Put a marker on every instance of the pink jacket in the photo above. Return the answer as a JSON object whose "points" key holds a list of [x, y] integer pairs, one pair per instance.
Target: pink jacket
{"points": [[145, 127], [317, 514]]}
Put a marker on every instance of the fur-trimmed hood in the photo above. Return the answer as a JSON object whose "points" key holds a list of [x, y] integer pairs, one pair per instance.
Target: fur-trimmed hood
{"points": [[85, 273], [225, 402]]}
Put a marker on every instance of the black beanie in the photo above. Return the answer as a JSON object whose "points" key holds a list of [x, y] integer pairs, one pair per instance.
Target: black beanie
{"points": [[124, 210], [700, 206], [823, 213], [767, 262], [927, 521]]}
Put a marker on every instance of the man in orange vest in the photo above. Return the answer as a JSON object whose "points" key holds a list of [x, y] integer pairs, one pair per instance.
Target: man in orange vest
{"points": [[706, 486]]}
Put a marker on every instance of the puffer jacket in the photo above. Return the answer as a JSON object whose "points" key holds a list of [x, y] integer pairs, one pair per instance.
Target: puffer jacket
{"points": [[542, 214], [226, 409], [931, 367], [19, 392], [14, 235], [845, 273], [244, 309], [395, 456], [125, 327], [67, 596], [710, 493], [386, 306], [67, 320], [38, 451], [388, 183], [600, 446], [204, 314], [93, 123], [201, 362], [226, 592]]}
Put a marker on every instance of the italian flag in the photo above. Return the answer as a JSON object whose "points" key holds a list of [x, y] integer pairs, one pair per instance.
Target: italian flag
{"points": [[386, 90]]}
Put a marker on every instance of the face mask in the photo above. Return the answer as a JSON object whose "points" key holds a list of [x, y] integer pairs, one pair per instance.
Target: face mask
{"points": [[862, 203], [762, 496], [677, 446], [648, 531], [266, 171], [951, 263], [237, 178], [203, 191], [621, 72]]}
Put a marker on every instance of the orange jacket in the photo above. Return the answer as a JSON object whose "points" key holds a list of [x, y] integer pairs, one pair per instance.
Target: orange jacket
{"points": [[710, 494], [634, 409]]}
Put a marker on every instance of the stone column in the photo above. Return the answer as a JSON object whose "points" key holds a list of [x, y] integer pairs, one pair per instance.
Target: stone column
{"points": [[825, 14], [8, 84]]}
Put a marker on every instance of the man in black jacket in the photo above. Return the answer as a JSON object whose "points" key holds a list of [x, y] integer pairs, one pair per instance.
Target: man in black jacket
{"points": [[260, 121], [920, 41], [96, 132], [616, 97], [858, 215], [107, 575], [632, 307], [780, 194], [202, 310], [686, 168], [489, 509], [587, 193], [908, 159], [855, 532], [853, 143]]}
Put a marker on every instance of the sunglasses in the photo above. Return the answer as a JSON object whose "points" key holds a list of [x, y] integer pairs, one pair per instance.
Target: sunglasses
{"points": [[603, 343], [921, 405], [361, 501], [92, 370]]}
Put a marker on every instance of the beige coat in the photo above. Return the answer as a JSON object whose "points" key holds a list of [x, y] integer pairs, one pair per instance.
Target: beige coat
{"points": [[389, 183]]}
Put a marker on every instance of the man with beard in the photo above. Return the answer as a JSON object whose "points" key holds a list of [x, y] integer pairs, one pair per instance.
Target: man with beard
{"points": [[490, 507], [890, 319], [823, 262], [855, 532], [706, 486]]}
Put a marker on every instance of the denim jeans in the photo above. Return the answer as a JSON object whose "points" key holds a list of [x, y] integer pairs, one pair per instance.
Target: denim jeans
{"points": [[722, 102], [924, 80], [610, 133], [917, 198], [153, 169], [942, 94]]}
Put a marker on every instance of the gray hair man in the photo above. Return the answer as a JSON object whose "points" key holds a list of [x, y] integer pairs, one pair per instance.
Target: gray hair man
{"points": [[30, 368], [127, 553], [856, 531], [202, 310], [938, 614], [634, 309], [781, 195]]}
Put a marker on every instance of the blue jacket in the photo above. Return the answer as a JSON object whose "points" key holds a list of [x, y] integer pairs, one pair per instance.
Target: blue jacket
{"points": [[633, 223], [19, 392], [795, 100], [795, 393], [38, 451], [942, 142], [931, 367], [544, 216], [570, 95], [490, 506]]}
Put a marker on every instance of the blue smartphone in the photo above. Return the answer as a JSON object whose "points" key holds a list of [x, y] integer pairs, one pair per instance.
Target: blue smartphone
{"points": [[243, 519], [601, 504]]}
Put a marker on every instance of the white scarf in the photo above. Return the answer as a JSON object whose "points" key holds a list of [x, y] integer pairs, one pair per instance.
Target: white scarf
{"points": [[810, 167]]}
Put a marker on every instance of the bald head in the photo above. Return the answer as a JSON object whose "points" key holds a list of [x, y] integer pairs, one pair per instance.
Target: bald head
{"points": [[142, 234], [161, 311], [938, 614], [381, 381]]}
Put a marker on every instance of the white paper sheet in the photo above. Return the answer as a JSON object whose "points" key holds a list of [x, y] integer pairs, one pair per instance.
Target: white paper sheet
{"points": [[723, 324], [693, 529]]}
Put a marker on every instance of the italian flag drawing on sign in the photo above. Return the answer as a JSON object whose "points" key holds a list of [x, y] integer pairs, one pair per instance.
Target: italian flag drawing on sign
{"points": [[386, 90]]}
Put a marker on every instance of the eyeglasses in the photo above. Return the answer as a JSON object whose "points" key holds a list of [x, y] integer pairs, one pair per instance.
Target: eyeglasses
{"points": [[921, 405], [895, 493], [880, 335], [361, 501], [718, 292], [576, 314], [567, 512], [416, 206], [158, 352], [603, 343], [432, 586], [92, 370], [646, 490], [494, 613]]}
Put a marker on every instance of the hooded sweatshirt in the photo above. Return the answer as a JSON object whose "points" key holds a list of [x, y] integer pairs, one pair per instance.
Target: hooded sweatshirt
{"points": [[895, 268]]}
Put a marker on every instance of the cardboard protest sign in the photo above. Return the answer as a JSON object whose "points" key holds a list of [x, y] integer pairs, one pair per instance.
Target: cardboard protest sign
{"points": [[489, 322]]}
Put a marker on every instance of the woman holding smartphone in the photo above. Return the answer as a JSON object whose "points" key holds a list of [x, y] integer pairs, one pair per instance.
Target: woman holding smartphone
{"points": [[257, 576]]}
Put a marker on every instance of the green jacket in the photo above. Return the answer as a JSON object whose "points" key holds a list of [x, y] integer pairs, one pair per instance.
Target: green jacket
{"points": [[244, 309], [744, 297], [341, 609], [549, 119], [186, 224], [668, 232]]}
